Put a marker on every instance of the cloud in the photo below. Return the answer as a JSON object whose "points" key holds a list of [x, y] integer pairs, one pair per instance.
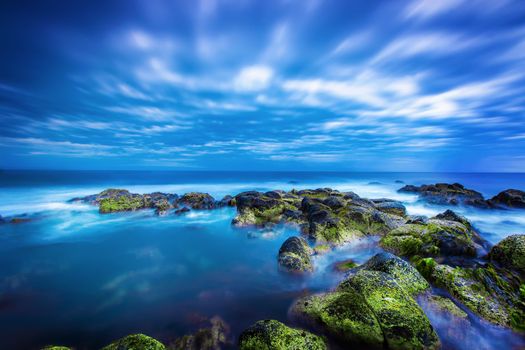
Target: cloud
{"points": [[430, 8], [253, 78]]}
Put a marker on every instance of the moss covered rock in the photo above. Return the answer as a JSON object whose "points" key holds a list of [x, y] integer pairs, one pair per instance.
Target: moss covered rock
{"points": [[404, 274], [491, 293], [295, 255], [403, 322], [344, 315], [443, 304], [198, 200], [129, 202], [135, 342], [510, 252], [214, 337], [345, 265], [436, 237], [274, 335]]}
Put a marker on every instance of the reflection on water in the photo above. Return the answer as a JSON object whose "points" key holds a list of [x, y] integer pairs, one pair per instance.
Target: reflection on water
{"points": [[76, 277]]}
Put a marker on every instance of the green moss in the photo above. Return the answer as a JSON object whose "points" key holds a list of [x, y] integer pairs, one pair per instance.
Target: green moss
{"points": [[344, 315], [404, 324], [121, 203], [448, 306], [274, 335], [510, 252], [322, 249], [425, 266], [55, 347], [346, 265], [135, 342], [522, 292]]}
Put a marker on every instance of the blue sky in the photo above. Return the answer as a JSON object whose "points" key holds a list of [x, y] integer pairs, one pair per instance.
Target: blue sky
{"points": [[263, 85]]}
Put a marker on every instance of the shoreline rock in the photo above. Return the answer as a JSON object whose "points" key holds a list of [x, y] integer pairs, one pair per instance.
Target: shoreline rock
{"points": [[295, 255]]}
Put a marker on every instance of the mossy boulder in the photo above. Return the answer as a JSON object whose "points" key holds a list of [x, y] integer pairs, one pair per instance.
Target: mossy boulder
{"points": [[403, 322], [135, 342], [445, 305], [404, 274], [437, 237], [509, 198], [260, 209], [345, 265], [390, 206], [198, 200], [510, 253], [274, 335], [447, 194], [492, 293], [295, 255], [343, 315]]}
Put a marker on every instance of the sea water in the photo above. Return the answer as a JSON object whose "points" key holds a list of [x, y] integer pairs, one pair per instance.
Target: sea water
{"points": [[73, 276]]}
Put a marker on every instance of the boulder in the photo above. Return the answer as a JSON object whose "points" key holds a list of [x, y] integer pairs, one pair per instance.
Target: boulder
{"points": [[197, 200], [509, 198], [435, 238], [345, 265], [226, 201], [342, 315], [403, 322], [447, 194], [451, 215], [295, 255], [405, 274], [494, 294], [258, 209], [122, 202], [274, 335], [390, 206], [510, 253], [135, 342]]}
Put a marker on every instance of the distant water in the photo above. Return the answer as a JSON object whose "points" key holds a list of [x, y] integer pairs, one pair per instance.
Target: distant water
{"points": [[75, 277]]}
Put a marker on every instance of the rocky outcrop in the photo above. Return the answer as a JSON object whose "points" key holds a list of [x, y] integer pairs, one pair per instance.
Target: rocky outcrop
{"points": [[447, 234], [447, 194], [509, 198], [274, 335], [373, 308], [510, 253], [492, 293], [295, 255], [324, 215], [134, 342]]}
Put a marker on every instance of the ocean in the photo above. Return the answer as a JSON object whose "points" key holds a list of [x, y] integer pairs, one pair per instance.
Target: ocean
{"points": [[75, 277]]}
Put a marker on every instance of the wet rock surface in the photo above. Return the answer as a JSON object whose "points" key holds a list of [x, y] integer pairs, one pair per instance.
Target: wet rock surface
{"points": [[447, 194], [295, 255]]}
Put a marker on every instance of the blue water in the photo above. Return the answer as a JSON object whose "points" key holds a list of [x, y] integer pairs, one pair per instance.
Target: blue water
{"points": [[75, 277]]}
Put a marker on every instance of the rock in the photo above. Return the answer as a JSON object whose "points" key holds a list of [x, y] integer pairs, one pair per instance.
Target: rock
{"points": [[20, 220], [135, 342], [403, 322], [162, 207], [445, 305], [295, 255], [344, 315], [198, 200], [182, 211], [345, 265], [214, 337], [451, 215], [390, 206], [274, 335], [122, 202], [322, 249], [491, 293], [510, 253], [417, 219], [509, 198], [447, 194], [55, 347], [435, 238], [258, 209], [405, 274], [95, 199], [226, 201]]}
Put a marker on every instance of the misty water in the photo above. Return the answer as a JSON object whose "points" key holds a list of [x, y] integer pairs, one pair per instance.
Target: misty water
{"points": [[75, 277]]}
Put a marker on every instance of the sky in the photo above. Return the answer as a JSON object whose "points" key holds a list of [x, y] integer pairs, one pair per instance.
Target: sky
{"points": [[263, 85]]}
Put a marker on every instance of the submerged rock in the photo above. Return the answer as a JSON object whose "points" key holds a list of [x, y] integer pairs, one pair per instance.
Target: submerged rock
{"points": [[214, 337], [492, 293], [135, 342], [345, 265], [274, 335], [447, 194], [510, 253], [509, 198], [436, 237], [445, 305], [198, 200], [182, 211], [295, 255]]}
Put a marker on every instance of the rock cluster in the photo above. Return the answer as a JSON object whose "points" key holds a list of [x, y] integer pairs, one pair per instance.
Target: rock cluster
{"points": [[457, 194]]}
